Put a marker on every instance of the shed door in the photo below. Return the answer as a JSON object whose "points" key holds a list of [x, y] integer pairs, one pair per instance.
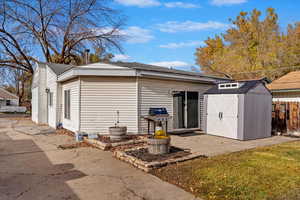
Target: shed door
{"points": [[222, 112]]}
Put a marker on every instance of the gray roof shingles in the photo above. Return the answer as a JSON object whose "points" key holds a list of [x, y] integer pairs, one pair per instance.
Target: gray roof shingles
{"points": [[247, 85], [61, 68]]}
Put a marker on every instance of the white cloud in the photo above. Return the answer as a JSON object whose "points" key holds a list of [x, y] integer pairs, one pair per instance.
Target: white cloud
{"points": [[150, 3], [139, 3], [181, 44], [187, 26], [227, 2], [179, 4], [121, 57], [135, 34], [171, 64]]}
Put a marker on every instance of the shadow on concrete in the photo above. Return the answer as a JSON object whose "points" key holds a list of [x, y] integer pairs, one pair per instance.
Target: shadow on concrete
{"points": [[27, 173]]}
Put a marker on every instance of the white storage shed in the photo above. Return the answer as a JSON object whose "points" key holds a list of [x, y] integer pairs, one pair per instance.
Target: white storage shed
{"points": [[238, 110]]}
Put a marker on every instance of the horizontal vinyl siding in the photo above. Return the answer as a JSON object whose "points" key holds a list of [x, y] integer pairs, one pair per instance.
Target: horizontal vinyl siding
{"points": [[72, 123], [287, 96], [158, 93], [52, 85], [102, 97]]}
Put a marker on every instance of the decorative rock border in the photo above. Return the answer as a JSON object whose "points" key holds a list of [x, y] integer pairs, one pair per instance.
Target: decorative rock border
{"points": [[106, 146], [148, 166]]}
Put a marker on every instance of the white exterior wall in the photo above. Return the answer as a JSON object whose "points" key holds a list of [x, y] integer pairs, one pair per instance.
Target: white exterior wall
{"points": [[39, 97], [158, 93], [42, 96], [52, 85], [35, 96], [286, 96], [102, 97], [72, 123]]}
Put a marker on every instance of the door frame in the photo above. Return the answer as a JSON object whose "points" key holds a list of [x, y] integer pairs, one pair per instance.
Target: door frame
{"points": [[185, 108]]}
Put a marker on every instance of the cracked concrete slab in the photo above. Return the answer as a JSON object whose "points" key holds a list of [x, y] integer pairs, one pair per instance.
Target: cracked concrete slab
{"points": [[32, 167]]}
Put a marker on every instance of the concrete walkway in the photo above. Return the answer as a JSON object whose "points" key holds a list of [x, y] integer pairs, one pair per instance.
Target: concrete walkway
{"points": [[32, 167], [213, 145]]}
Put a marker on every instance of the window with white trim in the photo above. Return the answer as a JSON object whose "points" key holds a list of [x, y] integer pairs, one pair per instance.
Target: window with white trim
{"points": [[67, 102]]}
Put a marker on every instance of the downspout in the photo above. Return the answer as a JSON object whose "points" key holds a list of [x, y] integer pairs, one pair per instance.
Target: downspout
{"points": [[138, 103], [79, 102]]}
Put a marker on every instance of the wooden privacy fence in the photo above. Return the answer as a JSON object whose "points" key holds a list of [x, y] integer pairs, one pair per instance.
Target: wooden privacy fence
{"points": [[285, 117]]}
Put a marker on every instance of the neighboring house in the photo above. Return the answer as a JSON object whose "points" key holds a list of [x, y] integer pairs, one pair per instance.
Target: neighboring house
{"points": [[9, 102], [7, 98], [286, 103], [87, 98], [286, 88]]}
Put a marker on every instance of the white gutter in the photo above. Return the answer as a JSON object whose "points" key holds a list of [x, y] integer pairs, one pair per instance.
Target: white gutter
{"points": [[72, 73], [95, 72]]}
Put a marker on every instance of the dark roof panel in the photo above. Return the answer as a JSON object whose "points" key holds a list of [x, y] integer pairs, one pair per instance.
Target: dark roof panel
{"points": [[247, 85], [59, 68], [141, 66]]}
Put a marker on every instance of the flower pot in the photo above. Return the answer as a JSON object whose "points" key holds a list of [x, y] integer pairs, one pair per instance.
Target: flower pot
{"points": [[158, 146], [117, 133]]}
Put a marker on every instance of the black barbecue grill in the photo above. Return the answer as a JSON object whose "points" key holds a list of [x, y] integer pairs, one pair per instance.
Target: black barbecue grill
{"points": [[156, 115]]}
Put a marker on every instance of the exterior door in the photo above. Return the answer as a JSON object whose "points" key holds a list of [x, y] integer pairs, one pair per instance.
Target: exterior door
{"points": [[192, 110], [186, 109], [178, 109], [222, 111]]}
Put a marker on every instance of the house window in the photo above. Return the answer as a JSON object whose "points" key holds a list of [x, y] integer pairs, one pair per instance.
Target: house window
{"points": [[67, 104], [8, 103], [50, 98]]}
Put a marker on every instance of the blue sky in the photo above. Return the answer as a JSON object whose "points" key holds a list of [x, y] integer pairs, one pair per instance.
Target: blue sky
{"points": [[167, 32]]}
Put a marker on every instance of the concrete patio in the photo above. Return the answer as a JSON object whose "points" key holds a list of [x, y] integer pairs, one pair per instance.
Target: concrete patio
{"points": [[211, 145], [33, 167]]}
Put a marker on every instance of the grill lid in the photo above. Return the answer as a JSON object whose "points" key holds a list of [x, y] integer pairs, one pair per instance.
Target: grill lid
{"points": [[158, 111]]}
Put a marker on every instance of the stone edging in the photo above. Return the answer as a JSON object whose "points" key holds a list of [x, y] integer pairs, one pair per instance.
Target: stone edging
{"points": [[148, 166], [106, 146]]}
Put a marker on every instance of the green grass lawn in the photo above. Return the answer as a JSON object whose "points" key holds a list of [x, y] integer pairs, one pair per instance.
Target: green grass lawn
{"points": [[264, 173]]}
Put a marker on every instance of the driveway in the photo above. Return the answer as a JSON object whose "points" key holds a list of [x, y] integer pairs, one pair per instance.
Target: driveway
{"points": [[32, 167], [210, 145]]}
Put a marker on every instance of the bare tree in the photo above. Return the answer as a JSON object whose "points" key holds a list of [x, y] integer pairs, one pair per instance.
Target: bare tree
{"points": [[57, 30]]}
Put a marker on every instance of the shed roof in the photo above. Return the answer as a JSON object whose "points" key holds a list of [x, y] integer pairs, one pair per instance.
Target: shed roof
{"points": [[4, 94], [290, 81], [246, 86]]}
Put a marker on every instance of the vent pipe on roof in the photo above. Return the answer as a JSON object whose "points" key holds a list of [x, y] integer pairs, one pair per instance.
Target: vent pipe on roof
{"points": [[86, 56]]}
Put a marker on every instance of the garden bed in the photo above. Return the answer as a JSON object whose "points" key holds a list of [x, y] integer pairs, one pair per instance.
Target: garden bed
{"points": [[104, 142], [140, 158]]}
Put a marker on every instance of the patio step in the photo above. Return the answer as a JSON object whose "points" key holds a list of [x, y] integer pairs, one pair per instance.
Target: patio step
{"points": [[186, 130]]}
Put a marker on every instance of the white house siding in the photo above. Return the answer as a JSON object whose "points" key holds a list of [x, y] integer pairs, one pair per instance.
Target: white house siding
{"points": [[72, 123], [34, 104], [286, 96], [157, 93], [35, 96], [102, 97], [42, 112], [52, 85]]}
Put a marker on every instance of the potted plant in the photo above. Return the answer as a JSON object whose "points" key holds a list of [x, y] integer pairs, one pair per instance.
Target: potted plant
{"points": [[117, 132]]}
